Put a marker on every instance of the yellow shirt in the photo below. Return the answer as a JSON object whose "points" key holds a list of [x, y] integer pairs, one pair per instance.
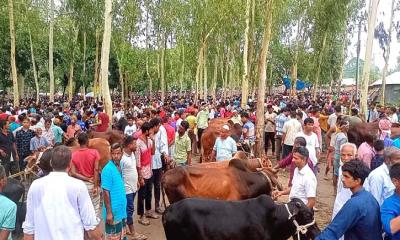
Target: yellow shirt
{"points": [[192, 121]]}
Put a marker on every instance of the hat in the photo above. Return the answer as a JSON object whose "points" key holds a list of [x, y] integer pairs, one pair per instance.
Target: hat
{"points": [[226, 127]]}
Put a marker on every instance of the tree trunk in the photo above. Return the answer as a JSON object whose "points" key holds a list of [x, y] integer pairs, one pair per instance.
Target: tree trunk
{"points": [[259, 148], [35, 76], [215, 77], [386, 55], [51, 70], [121, 79], [245, 79], [84, 66], [373, 7], [205, 92], [12, 59], [96, 89], [21, 85], [147, 57], [198, 70], [105, 54], [162, 72], [321, 54], [71, 67], [182, 71], [343, 62]]}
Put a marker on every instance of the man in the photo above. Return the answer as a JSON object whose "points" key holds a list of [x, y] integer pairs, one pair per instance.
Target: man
{"points": [[332, 122], [280, 121], [183, 148], [390, 210], [366, 151], [392, 114], [38, 142], [202, 122], [8, 210], [269, 131], [249, 132], [23, 140], [191, 119], [73, 128], [57, 131], [354, 118], [373, 114], [114, 207], [170, 135], [48, 132], [289, 130], [103, 120], [85, 166], [304, 181], [298, 142], [8, 150], [347, 152], [378, 182], [359, 217], [130, 173], [131, 128], [312, 142], [161, 152], [224, 147], [65, 211]]}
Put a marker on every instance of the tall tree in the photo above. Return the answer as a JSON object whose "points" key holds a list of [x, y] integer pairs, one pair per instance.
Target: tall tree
{"points": [[51, 70], [245, 79], [12, 59]]}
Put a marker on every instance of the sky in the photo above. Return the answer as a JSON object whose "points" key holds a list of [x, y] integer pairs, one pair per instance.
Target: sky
{"points": [[383, 15]]}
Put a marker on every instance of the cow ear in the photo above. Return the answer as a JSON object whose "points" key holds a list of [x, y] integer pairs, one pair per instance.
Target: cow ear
{"points": [[298, 205]]}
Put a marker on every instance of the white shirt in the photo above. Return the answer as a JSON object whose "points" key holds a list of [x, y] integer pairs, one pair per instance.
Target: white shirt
{"points": [[312, 145], [130, 130], [59, 207], [304, 184], [161, 142], [393, 118], [342, 195], [291, 128], [379, 184], [129, 172]]}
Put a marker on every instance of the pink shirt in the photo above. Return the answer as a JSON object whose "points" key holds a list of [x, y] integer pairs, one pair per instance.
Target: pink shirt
{"points": [[365, 153]]}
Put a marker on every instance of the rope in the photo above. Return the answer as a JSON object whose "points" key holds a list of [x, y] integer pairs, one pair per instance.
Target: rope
{"points": [[299, 228]]}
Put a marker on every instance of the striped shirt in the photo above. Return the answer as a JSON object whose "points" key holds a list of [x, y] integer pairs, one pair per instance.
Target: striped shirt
{"points": [[280, 121]]}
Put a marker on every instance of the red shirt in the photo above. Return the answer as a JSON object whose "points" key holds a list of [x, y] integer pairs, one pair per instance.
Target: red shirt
{"points": [[170, 132], [84, 159], [3, 116], [162, 114], [105, 122]]}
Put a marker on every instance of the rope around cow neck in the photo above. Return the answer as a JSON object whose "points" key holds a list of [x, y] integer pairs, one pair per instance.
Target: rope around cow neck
{"points": [[299, 228]]}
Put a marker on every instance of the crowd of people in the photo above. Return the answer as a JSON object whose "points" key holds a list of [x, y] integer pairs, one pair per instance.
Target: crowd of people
{"points": [[66, 203]]}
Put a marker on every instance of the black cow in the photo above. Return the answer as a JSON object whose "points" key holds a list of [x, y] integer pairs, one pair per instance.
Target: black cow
{"points": [[253, 219], [15, 191]]}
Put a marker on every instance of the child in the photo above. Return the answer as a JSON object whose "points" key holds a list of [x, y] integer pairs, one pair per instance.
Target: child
{"points": [[378, 159]]}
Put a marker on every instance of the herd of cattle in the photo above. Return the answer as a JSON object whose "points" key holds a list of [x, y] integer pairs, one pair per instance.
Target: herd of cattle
{"points": [[216, 200]]}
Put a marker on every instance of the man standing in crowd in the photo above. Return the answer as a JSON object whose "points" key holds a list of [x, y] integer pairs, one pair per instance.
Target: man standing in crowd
{"points": [[47, 132], [359, 217], [183, 148], [65, 211], [8, 149], [390, 210], [23, 140], [304, 184], [85, 166], [332, 122], [57, 131], [372, 113], [378, 182], [104, 120], [38, 142], [131, 128], [191, 119], [114, 207], [202, 122], [224, 147], [8, 209], [289, 130], [269, 134], [313, 146], [280, 121], [249, 132]]}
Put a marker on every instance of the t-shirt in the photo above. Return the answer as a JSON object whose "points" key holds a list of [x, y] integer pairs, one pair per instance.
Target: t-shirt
{"points": [[269, 122], [390, 209], [304, 184], [58, 133], [291, 128], [105, 122], [130, 130], [224, 148], [332, 120], [182, 146], [191, 120], [251, 133], [312, 144], [8, 214], [84, 161], [129, 172], [111, 180]]}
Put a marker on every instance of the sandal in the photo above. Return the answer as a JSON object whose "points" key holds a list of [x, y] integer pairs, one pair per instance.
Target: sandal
{"points": [[144, 221], [139, 236], [152, 215]]}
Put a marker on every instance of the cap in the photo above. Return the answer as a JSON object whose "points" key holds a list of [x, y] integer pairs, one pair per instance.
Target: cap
{"points": [[226, 127]]}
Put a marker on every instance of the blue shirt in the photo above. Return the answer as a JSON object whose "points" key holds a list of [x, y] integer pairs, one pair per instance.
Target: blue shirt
{"points": [[8, 214], [390, 209], [58, 133], [280, 121], [357, 220], [37, 142], [251, 130], [224, 148], [111, 180]]}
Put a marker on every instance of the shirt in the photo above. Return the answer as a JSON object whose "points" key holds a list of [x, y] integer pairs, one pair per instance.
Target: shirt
{"points": [[6, 144], [390, 209], [13, 126], [145, 157], [393, 118], [129, 172], [182, 146], [191, 120], [357, 220], [72, 129], [288, 160], [280, 121], [291, 128], [38, 142], [48, 134], [23, 140], [161, 142], [312, 145], [59, 207], [8, 215], [202, 119], [365, 153], [111, 180], [105, 122], [377, 160], [58, 133], [84, 161], [379, 184], [340, 139], [251, 131], [170, 133], [342, 195], [270, 122], [130, 130], [332, 120], [304, 184], [224, 148]]}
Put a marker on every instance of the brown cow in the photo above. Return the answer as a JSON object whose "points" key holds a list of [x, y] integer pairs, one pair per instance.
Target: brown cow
{"points": [[209, 136], [358, 132], [234, 182], [112, 136]]}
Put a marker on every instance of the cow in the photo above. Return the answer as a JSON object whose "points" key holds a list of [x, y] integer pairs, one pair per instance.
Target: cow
{"points": [[358, 132], [15, 191], [233, 182], [112, 136], [252, 219]]}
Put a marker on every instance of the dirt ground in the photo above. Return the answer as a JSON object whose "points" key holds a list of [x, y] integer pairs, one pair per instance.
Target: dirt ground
{"points": [[325, 200]]}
